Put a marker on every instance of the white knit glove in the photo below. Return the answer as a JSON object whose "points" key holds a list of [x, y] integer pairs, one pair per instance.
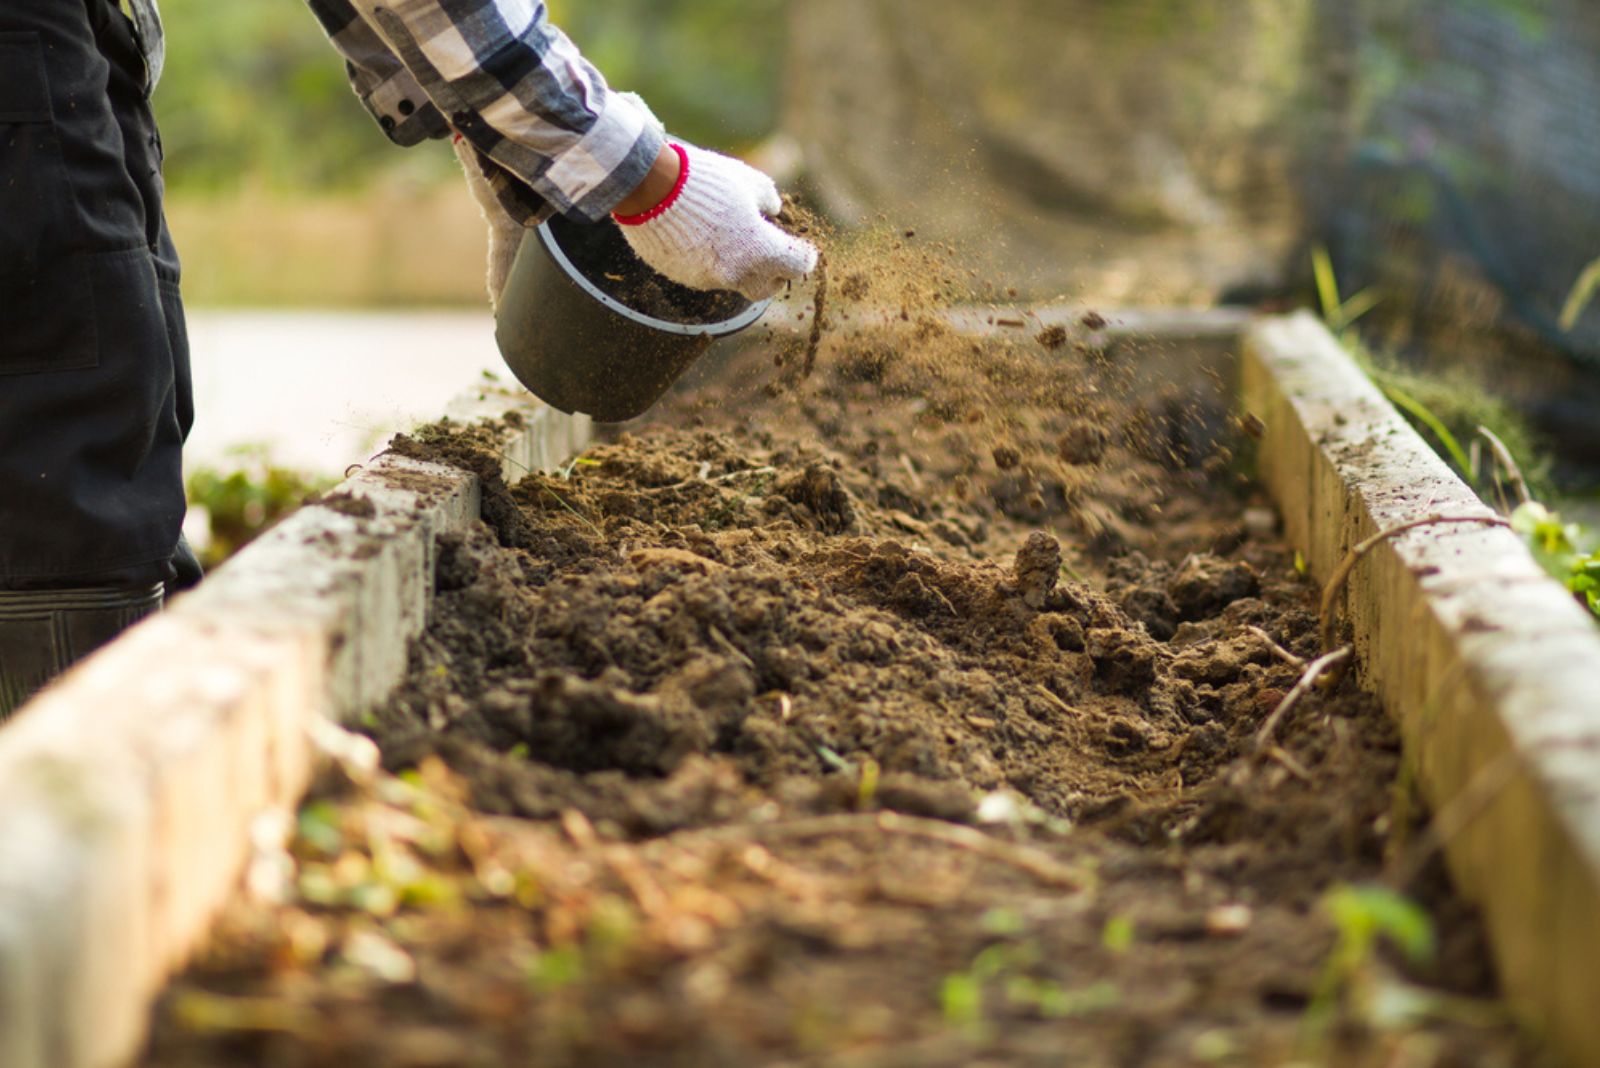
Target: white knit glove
{"points": [[714, 231], [505, 232]]}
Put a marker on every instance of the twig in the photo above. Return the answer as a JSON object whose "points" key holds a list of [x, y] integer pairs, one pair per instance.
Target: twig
{"points": [[729, 477], [1283, 758], [1296, 662], [1030, 861], [1263, 741], [911, 470], [581, 517], [1503, 456], [750, 473], [731, 649], [1055, 700], [1330, 593]]}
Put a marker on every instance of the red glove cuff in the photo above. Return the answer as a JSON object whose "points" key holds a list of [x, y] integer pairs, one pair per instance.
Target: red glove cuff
{"points": [[671, 198]]}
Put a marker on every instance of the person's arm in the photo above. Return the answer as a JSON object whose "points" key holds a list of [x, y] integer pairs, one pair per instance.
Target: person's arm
{"points": [[551, 136], [387, 90], [513, 85]]}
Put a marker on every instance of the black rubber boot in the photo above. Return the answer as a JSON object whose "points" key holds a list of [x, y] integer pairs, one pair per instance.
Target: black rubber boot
{"points": [[43, 633]]}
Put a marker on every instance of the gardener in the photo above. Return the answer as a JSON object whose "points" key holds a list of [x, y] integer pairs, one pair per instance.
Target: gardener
{"points": [[95, 393]]}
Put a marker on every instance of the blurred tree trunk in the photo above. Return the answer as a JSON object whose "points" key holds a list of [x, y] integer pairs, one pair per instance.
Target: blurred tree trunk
{"points": [[1120, 151]]}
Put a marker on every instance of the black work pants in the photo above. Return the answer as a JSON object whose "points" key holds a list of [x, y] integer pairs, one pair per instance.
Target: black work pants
{"points": [[95, 394]]}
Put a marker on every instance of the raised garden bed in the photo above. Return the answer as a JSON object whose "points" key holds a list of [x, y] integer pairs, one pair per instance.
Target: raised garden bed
{"points": [[768, 740], [923, 715]]}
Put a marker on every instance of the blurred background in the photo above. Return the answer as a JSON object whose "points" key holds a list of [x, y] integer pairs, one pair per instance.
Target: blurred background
{"points": [[1443, 154]]}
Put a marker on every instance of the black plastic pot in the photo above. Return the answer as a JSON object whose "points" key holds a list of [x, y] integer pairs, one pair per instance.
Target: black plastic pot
{"points": [[589, 328]]}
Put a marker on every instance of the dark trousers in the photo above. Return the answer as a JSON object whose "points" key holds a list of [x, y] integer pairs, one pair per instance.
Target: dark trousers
{"points": [[95, 393]]}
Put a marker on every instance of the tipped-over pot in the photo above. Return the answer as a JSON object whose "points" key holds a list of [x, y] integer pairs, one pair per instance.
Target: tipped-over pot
{"points": [[589, 327]]}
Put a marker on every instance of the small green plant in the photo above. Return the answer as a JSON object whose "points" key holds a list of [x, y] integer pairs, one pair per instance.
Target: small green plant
{"points": [[1565, 550], [1005, 973], [1338, 313], [1364, 918], [245, 500], [1119, 935]]}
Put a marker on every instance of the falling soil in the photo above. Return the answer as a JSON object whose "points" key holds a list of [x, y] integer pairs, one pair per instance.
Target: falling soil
{"points": [[907, 718]]}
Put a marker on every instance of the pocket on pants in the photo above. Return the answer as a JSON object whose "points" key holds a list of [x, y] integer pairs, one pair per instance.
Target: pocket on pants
{"points": [[47, 320]]}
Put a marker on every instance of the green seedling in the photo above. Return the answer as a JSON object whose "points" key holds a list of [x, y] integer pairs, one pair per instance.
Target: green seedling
{"points": [[1119, 935], [867, 790], [1447, 409], [1002, 923], [319, 828], [834, 761], [1364, 917], [1338, 313], [1006, 968], [244, 501], [565, 473], [1564, 550], [557, 969], [961, 1001]]}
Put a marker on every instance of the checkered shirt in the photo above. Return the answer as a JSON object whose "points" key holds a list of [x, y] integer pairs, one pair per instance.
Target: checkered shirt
{"points": [[550, 135]]}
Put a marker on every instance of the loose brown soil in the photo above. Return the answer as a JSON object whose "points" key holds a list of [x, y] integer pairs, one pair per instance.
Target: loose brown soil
{"points": [[901, 718]]}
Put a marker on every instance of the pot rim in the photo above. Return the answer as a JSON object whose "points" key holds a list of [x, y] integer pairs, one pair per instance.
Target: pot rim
{"points": [[724, 328]]}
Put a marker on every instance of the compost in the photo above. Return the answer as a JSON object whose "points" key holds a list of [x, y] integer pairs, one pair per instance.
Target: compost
{"points": [[907, 715], [601, 254]]}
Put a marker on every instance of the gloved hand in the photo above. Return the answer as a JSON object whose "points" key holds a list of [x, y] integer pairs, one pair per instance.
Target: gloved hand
{"points": [[505, 232], [714, 230]]}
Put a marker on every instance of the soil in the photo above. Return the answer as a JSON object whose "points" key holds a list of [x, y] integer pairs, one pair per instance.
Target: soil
{"points": [[904, 716], [603, 255]]}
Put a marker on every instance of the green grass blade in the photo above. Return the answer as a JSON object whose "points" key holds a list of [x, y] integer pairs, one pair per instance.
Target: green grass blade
{"points": [[1359, 305], [1327, 287], [1413, 407], [1583, 292]]}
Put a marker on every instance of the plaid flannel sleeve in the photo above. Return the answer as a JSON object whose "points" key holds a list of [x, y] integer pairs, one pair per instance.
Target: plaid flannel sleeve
{"points": [[550, 133]]}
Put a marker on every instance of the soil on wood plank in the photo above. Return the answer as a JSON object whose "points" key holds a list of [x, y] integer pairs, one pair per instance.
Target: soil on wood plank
{"points": [[906, 719]]}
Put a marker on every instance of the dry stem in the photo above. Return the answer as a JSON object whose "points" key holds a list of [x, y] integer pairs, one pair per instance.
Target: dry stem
{"points": [[1296, 662], [1284, 759], [1336, 584], [1030, 861], [1263, 743], [1508, 462]]}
